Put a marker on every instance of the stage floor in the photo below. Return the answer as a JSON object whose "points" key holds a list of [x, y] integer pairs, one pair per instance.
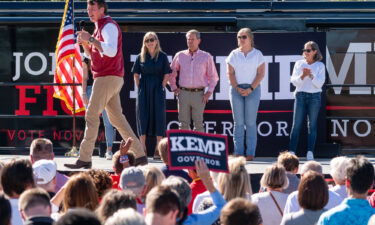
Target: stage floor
{"points": [[254, 167]]}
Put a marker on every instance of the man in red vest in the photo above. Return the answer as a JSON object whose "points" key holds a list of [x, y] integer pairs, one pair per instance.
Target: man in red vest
{"points": [[104, 48]]}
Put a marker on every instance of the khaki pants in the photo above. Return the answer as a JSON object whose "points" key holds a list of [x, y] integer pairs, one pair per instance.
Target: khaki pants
{"points": [[106, 95], [190, 106]]}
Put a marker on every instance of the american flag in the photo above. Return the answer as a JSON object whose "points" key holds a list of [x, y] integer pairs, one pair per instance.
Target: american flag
{"points": [[67, 52]]}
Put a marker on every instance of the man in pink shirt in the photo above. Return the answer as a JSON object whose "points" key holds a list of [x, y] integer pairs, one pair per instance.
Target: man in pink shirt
{"points": [[197, 72]]}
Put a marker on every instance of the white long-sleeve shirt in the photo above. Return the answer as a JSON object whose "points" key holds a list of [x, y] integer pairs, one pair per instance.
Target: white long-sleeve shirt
{"points": [[110, 36], [292, 204], [307, 84]]}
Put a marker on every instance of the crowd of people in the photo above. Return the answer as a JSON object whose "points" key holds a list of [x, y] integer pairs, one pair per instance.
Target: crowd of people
{"points": [[32, 191]]}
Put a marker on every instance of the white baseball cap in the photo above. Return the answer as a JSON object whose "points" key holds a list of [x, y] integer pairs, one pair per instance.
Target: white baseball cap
{"points": [[44, 171]]}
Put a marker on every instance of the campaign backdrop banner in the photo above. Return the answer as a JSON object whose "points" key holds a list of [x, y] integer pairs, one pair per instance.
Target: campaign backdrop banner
{"points": [[25, 61], [185, 147], [351, 109]]}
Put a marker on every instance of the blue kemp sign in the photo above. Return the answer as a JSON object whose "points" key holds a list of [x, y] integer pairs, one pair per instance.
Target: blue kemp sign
{"points": [[186, 146]]}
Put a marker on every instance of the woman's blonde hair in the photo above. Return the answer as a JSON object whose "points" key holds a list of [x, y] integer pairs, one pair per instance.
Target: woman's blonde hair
{"points": [[314, 46], [249, 34], [236, 183], [154, 176], [80, 192], [274, 177], [144, 49]]}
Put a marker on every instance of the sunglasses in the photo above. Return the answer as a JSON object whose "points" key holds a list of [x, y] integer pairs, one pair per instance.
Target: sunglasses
{"points": [[150, 40], [307, 50], [244, 37]]}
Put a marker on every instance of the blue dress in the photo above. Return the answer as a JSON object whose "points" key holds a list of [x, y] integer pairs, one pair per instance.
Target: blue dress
{"points": [[151, 94]]}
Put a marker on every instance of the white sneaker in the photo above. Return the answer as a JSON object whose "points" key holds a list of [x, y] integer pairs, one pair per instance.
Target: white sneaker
{"points": [[309, 156], [108, 155], [291, 152]]}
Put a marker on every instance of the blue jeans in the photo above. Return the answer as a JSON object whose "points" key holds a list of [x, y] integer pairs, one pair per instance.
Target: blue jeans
{"points": [[305, 104], [108, 128], [245, 110]]}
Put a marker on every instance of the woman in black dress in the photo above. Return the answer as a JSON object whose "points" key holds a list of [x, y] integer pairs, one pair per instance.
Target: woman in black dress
{"points": [[151, 70]]}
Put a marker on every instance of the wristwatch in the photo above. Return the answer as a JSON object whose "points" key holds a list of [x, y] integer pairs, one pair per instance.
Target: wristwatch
{"points": [[91, 39]]}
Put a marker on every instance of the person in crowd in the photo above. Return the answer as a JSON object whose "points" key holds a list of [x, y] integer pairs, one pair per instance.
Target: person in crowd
{"points": [[126, 217], [115, 200], [151, 73], [183, 189], [87, 82], [308, 77], [338, 173], [292, 204], [271, 202], [104, 48], [291, 163], [371, 200], [197, 187], [312, 197], [245, 71], [355, 209], [17, 177], [42, 148], [153, 177], [45, 175], [197, 71], [79, 191], [162, 206], [132, 179], [231, 185], [102, 181], [163, 150], [239, 211], [35, 207], [6, 210], [122, 159], [78, 216]]}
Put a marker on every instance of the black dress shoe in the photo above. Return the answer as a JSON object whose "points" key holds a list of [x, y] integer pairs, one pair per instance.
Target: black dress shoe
{"points": [[79, 164]]}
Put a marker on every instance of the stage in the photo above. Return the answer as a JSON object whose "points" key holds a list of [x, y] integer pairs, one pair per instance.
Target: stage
{"points": [[254, 167]]}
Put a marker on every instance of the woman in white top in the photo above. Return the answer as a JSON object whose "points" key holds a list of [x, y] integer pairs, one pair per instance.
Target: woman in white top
{"points": [[245, 70], [308, 77], [272, 202]]}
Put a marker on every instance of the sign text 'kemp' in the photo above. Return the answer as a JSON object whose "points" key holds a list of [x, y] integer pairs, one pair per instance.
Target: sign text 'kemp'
{"points": [[196, 144], [185, 147]]}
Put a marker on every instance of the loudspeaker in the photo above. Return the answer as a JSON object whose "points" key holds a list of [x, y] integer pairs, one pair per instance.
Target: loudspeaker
{"points": [[103, 148], [327, 150]]}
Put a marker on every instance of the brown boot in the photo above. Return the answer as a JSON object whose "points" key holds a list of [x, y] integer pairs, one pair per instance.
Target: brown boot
{"points": [[141, 161], [79, 164]]}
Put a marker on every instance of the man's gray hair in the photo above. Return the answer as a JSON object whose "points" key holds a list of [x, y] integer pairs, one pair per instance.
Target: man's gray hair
{"points": [[126, 217], [182, 187], [338, 168], [312, 165], [196, 32]]}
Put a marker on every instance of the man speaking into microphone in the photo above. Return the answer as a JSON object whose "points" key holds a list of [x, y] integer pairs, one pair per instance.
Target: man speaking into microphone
{"points": [[104, 48]]}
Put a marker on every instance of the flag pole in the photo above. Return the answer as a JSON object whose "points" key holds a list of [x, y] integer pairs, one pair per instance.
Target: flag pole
{"points": [[73, 151]]}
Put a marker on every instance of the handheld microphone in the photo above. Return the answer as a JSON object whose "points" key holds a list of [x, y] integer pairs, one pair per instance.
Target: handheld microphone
{"points": [[81, 25]]}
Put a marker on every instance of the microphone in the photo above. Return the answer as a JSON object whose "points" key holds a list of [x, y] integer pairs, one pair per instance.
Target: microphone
{"points": [[81, 25]]}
